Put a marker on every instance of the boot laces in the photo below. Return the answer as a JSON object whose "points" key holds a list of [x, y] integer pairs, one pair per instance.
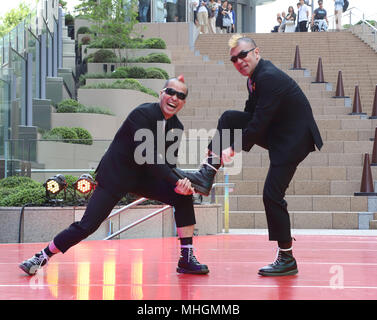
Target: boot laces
{"points": [[190, 255], [38, 260], [278, 257]]}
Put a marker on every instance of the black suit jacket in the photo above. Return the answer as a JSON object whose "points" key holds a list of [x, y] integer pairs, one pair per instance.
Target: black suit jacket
{"points": [[282, 118], [118, 171]]}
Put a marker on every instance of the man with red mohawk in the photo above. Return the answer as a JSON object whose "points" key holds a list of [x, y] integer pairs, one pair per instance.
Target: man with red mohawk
{"points": [[122, 170]]}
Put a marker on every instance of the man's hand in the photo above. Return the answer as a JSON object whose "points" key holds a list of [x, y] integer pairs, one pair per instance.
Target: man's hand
{"points": [[227, 155], [184, 187]]}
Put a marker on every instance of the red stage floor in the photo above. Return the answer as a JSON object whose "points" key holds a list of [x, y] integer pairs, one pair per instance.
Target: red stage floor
{"points": [[330, 267]]}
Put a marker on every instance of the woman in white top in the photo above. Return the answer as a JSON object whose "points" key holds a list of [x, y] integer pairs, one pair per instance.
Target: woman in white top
{"points": [[290, 20]]}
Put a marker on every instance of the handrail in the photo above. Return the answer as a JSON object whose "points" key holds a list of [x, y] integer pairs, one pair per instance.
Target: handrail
{"points": [[137, 222], [129, 206], [226, 185], [350, 13]]}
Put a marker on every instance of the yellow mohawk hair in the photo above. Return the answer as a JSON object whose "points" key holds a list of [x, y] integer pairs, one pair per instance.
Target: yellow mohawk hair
{"points": [[234, 39]]}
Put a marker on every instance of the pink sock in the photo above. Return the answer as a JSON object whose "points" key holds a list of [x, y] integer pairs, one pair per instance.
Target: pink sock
{"points": [[53, 248]]}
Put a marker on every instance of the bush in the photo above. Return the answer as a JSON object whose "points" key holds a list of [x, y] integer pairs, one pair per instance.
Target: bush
{"points": [[136, 43], [73, 106], [99, 110], [17, 191], [156, 73], [119, 73], [61, 133], [154, 43], [16, 181], [152, 58], [104, 56], [83, 30], [24, 194], [69, 135], [136, 72], [130, 84], [84, 135], [69, 106]]}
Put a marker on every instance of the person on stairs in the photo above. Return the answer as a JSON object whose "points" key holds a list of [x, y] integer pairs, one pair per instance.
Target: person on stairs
{"points": [[278, 117]]}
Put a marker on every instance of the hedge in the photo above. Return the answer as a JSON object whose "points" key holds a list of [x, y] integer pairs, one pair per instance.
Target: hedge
{"points": [[108, 56], [69, 135], [124, 72], [73, 106], [137, 43], [18, 191], [130, 84]]}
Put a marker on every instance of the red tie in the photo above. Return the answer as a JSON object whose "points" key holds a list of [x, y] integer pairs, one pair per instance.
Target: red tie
{"points": [[249, 84]]}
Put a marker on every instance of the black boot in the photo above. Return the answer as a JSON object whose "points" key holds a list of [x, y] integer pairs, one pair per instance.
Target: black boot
{"points": [[284, 265], [188, 264]]}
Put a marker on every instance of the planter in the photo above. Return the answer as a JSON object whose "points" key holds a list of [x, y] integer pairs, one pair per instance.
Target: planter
{"points": [[109, 67], [129, 53], [154, 84], [41, 224], [88, 121], [62, 155], [119, 101]]}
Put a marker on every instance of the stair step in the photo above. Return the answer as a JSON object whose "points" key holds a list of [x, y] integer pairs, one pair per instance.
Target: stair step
{"points": [[298, 219]]}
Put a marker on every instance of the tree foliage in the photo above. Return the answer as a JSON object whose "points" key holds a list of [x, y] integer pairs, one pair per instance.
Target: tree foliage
{"points": [[13, 17], [112, 19]]}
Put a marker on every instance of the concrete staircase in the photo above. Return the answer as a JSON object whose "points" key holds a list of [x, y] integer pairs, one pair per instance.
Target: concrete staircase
{"points": [[321, 192]]}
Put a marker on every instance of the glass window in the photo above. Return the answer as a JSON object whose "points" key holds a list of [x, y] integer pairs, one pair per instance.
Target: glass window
{"points": [[21, 38], [6, 49]]}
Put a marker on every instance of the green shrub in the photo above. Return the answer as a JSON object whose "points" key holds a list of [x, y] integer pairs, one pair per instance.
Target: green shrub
{"points": [[73, 106], [154, 43], [83, 30], [69, 135], [136, 72], [130, 84], [84, 135], [153, 58], [69, 106], [16, 191], [156, 73], [151, 43], [104, 55], [119, 73], [62, 133], [16, 181], [24, 194], [99, 110]]}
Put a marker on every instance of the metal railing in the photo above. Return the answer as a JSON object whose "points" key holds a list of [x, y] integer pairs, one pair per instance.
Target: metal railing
{"points": [[354, 15], [224, 185]]}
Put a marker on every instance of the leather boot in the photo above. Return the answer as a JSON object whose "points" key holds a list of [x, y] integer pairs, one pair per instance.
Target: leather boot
{"points": [[202, 179], [284, 265], [188, 264]]}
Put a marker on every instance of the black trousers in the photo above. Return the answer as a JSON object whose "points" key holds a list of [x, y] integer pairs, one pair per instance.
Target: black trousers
{"points": [[102, 202], [303, 26], [277, 180]]}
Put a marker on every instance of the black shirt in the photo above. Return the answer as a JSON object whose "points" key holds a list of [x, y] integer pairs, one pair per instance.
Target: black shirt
{"points": [[319, 14]]}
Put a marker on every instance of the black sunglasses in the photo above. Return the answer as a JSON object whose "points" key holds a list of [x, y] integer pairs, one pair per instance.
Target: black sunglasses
{"points": [[172, 92], [241, 55]]}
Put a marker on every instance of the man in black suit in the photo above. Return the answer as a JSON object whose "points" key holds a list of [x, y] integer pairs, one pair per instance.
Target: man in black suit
{"points": [[141, 166], [277, 117]]}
